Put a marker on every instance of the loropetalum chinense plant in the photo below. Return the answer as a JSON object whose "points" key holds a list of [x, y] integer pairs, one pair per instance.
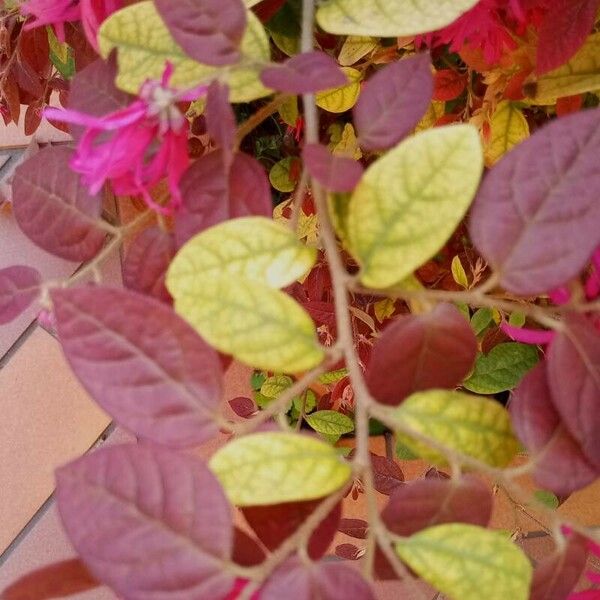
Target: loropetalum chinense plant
{"points": [[374, 282]]}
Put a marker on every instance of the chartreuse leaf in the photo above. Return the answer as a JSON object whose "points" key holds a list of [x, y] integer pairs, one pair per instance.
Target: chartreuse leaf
{"points": [[260, 326], [409, 202], [255, 248], [270, 468], [471, 425], [280, 175], [462, 560], [355, 48], [330, 422], [341, 99], [581, 74], [145, 45], [508, 128], [276, 385], [390, 18]]}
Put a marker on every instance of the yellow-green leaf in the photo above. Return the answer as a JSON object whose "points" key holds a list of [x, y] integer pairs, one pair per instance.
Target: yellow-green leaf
{"points": [[466, 562], [384, 309], [389, 18], [410, 201], [330, 422], [347, 145], [471, 425], [260, 326], [508, 127], [581, 74], [288, 111], [430, 118], [458, 272], [276, 385], [355, 48], [145, 45], [255, 248], [279, 175], [341, 99], [271, 468]]}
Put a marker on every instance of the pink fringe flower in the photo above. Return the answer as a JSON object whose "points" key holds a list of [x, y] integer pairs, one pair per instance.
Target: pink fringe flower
{"points": [[135, 147]]}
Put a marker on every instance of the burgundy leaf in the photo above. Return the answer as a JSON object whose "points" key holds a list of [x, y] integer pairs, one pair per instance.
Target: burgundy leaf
{"points": [[574, 379], [148, 522], [428, 502], [246, 550], [322, 312], [560, 465], [536, 218], [141, 362], [433, 473], [53, 207], [267, 8], [210, 31], [304, 74], [147, 261], [555, 576], [249, 188], [335, 173], [19, 287], [53, 581], [243, 407], [387, 475], [93, 91], [393, 102], [295, 580], [220, 119], [420, 352], [563, 31], [348, 551], [356, 528], [274, 524]]}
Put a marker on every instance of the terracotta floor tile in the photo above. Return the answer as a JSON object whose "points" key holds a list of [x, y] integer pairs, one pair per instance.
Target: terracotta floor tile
{"points": [[47, 419]]}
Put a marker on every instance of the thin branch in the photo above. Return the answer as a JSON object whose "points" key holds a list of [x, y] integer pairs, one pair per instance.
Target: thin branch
{"points": [[258, 117]]}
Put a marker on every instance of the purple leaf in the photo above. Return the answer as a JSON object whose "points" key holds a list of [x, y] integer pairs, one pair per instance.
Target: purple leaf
{"points": [[560, 465], [356, 528], [148, 522], [209, 197], [295, 580], [19, 287], [220, 119], [53, 207], [574, 380], [141, 362], [393, 101], [243, 407], [420, 352], [335, 173], [304, 74], [387, 475], [210, 31], [146, 263], [428, 502], [563, 31], [555, 576], [536, 218]]}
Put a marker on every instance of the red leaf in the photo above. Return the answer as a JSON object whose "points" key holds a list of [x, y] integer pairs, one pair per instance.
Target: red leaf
{"points": [[393, 101], [295, 580], [574, 379], [210, 31], [536, 218], [53, 581], [428, 502], [148, 522], [220, 119], [54, 209], [304, 74], [246, 550], [348, 551], [147, 261], [243, 407], [335, 173], [556, 576], [448, 85], [560, 465], [563, 31], [141, 362], [420, 352], [356, 528], [568, 105], [267, 8], [274, 524], [387, 475], [19, 287]]}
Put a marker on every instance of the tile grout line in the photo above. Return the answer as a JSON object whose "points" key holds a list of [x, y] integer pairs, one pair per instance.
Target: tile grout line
{"points": [[28, 331]]}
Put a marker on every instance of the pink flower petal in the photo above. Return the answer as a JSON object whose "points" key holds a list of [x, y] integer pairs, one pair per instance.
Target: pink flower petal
{"points": [[535, 337]]}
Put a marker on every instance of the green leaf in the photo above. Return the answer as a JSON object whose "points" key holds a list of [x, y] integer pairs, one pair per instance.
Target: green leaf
{"points": [[271, 468], [404, 452], [458, 273], [255, 248], [409, 202], [330, 422], [261, 327], [390, 18], [481, 319], [279, 175], [502, 369], [61, 55], [145, 45], [276, 385], [309, 399], [517, 319], [471, 425], [333, 376], [343, 98], [547, 498], [257, 379], [466, 562]]}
